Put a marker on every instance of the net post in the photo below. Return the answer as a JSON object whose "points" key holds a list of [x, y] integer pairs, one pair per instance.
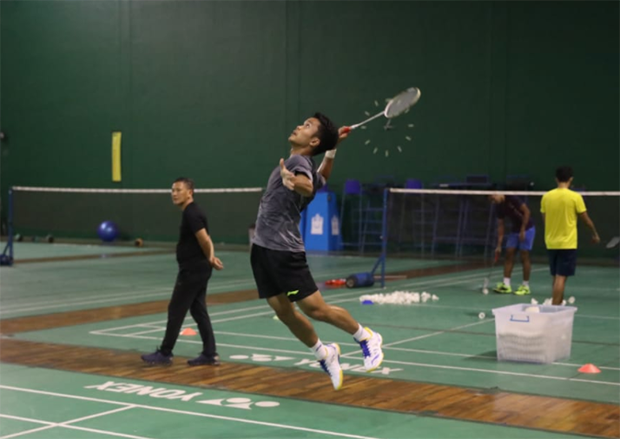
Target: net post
{"points": [[384, 237], [10, 225], [384, 240], [7, 259]]}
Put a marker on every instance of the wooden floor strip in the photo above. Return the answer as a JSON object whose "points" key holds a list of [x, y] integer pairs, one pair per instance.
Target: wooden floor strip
{"points": [[502, 408], [109, 313]]}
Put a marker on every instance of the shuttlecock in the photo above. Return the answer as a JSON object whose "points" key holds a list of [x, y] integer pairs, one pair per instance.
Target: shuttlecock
{"points": [[563, 302], [571, 300], [534, 302], [481, 315], [485, 291], [532, 309], [547, 302], [397, 297], [435, 298]]}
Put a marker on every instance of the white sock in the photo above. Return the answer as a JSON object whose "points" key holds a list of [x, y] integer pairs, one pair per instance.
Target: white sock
{"points": [[361, 334], [526, 283], [319, 350], [507, 281]]}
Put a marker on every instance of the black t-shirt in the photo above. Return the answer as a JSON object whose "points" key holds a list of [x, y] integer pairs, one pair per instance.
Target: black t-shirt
{"points": [[189, 252]]}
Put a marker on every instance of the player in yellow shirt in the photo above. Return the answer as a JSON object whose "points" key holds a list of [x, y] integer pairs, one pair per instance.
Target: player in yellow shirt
{"points": [[560, 208]]}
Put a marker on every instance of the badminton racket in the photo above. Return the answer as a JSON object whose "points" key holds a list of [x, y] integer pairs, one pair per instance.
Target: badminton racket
{"points": [[395, 107], [487, 279]]}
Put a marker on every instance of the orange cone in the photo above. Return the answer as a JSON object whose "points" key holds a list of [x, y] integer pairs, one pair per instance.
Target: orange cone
{"points": [[188, 331], [589, 368]]}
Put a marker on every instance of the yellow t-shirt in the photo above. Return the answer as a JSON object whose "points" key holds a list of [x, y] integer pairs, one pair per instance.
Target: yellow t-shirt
{"points": [[561, 207]]}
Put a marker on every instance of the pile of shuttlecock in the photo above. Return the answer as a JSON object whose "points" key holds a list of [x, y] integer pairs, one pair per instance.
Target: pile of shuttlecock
{"points": [[398, 298], [571, 300]]}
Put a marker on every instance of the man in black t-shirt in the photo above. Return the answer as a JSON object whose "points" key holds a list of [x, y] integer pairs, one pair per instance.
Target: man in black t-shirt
{"points": [[196, 259]]}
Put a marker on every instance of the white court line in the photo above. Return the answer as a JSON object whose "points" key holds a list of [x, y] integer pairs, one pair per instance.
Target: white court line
{"points": [[390, 346], [432, 334], [166, 291], [85, 302], [7, 309], [75, 427], [159, 329], [270, 312], [61, 303], [436, 282], [498, 372], [307, 353], [49, 425], [272, 337], [151, 324], [109, 433], [589, 316], [486, 357], [185, 412]]}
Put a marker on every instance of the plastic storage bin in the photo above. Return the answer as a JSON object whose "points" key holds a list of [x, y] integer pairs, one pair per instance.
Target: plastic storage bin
{"points": [[542, 334]]}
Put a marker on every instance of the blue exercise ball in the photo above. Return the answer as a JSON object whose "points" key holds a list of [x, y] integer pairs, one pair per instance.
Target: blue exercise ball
{"points": [[107, 231]]}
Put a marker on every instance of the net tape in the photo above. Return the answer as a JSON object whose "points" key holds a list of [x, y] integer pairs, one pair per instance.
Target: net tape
{"points": [[130, 191]]}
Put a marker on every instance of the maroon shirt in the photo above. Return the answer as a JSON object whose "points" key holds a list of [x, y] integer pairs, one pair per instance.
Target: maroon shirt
{"points": [[511, 207]]}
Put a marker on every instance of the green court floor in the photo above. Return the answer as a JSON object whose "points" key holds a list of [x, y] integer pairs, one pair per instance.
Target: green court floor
{"points": [[443, 342], [35, 250], [47, 287], [40, 403], [440, 342]]}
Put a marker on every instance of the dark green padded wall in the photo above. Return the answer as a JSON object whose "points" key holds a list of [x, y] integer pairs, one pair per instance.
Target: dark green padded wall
{"points": [[212, 89]]}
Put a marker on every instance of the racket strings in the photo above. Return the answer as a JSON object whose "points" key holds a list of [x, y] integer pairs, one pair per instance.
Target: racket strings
{"points": [[402, 102]]}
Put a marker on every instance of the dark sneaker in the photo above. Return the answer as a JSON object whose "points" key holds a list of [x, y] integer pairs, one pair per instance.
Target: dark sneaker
{"points": [[205, 360], [157, 358]]}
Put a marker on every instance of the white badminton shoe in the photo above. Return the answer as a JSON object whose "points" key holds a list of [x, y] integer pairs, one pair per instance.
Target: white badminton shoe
{"points": [[371, 348], [331, 365]]}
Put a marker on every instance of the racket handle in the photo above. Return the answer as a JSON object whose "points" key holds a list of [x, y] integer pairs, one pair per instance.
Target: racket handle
{"points": [[346, 130]]}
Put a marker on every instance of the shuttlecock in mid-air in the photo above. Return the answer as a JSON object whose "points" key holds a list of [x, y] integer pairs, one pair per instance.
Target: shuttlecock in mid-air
{"points": [[481, 315], [571, 300], [485, 291]]}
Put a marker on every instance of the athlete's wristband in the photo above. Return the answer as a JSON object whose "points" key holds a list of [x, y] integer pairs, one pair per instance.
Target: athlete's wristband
{"points": [[330, 154]]}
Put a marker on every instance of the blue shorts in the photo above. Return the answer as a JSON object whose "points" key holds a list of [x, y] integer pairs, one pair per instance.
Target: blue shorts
{"points": [[513, 240], [562, 262]]}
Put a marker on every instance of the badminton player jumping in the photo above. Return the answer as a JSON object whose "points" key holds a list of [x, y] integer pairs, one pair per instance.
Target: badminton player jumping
{"points": [[278, 255]]}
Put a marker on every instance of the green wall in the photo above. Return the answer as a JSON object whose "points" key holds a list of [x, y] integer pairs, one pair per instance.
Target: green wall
{"points": [[212, 89]]}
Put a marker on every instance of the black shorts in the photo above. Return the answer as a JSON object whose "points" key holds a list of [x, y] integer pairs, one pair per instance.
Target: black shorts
{"points": [[562, 262], [277, 272]]}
